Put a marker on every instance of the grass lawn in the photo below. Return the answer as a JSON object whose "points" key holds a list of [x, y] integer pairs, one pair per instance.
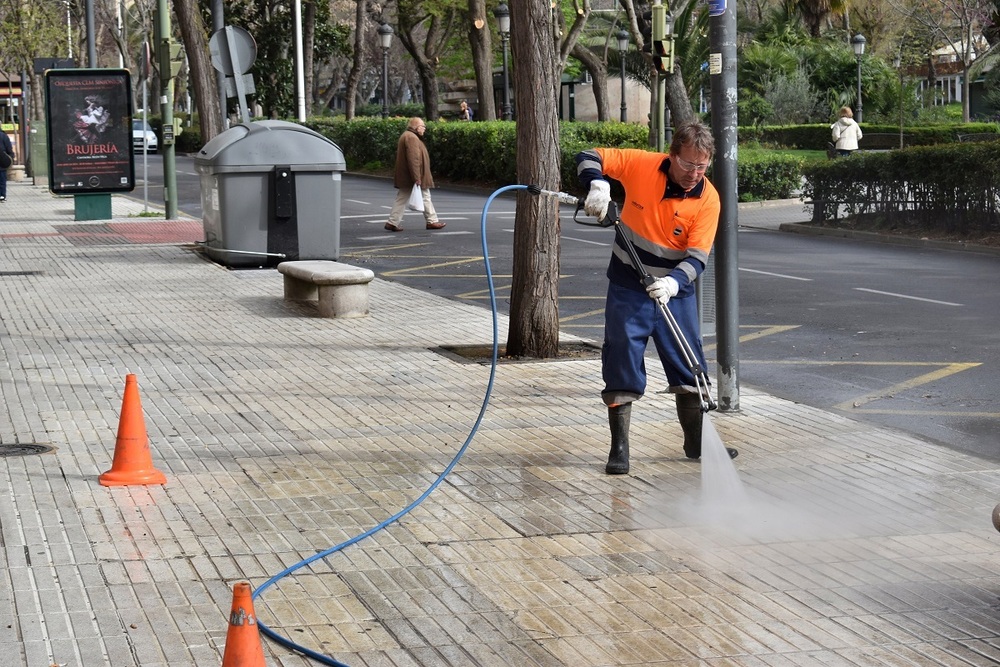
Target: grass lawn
{"points": [[807, 155]]}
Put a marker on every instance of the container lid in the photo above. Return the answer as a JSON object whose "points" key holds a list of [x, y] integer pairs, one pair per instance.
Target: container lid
{"points": [[267, 143]]}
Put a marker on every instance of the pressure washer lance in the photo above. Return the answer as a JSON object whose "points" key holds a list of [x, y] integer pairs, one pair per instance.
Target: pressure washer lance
{"points": [[611, 219]]}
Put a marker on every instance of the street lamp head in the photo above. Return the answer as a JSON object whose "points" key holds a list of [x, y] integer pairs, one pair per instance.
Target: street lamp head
{"points": [[503, 18], [622, 41], [385, 35], [897, 61], [858, 43]]}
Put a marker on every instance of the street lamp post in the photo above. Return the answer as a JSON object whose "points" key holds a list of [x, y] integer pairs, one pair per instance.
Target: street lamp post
{"points": [[385, 39], [897, 62], [502, 15], [622, 50], [668, 134], [858, 42]]}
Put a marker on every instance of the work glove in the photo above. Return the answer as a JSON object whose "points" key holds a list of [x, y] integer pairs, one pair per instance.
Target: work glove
{"points": [[598, 199], [662, 289]]}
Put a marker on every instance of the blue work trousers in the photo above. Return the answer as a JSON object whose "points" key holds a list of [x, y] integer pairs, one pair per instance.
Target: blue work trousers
{"points": [[630, 319]]}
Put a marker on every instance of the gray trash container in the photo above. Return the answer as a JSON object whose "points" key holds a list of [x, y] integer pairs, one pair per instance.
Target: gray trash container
{"points": [[270, 192]]}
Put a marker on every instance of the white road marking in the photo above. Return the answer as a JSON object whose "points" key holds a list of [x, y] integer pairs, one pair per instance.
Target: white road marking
{"points": [[906, 296], [571, 238], [776, 275]]}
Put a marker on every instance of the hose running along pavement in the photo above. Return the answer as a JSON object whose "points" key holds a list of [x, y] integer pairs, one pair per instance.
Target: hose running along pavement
{"points": [[324, 659]]}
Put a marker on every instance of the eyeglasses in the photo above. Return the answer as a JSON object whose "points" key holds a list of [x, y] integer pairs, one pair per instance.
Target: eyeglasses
{"points": [[690, 166]]}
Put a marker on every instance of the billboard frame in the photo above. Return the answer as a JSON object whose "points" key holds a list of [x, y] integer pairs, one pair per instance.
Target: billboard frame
{"points": [[88, 113]]}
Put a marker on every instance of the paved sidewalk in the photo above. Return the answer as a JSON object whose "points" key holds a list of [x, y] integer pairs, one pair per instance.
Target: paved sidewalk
{"points": [[282, 434]]}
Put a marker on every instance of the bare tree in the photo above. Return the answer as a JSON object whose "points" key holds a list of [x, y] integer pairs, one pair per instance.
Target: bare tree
{"points": [[482, 58], [677, 98], [425, 31], [30, 30], [358, 62], [202, 74], [958, 24], [534, 307], [599, 74]]}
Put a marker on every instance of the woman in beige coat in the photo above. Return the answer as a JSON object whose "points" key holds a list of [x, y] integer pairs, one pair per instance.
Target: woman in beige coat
{"points": [[413, 167], [846, 133]]}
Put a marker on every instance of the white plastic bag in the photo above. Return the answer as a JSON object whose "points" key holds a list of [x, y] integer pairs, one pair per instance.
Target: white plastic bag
{"points": [[416, 202]]}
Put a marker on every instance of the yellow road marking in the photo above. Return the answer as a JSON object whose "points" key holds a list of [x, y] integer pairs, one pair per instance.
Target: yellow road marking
{"points": [[570, 318], [485, 292], [948, 369], [764, 331], [379, 249], [401, 272]]}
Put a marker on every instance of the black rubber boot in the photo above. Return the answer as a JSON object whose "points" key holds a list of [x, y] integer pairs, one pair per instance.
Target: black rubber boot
{"points": [[619, 418], [689, 414]]}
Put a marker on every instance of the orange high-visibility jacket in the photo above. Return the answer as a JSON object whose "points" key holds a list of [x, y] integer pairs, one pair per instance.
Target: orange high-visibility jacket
{"points": [[672, 230]]}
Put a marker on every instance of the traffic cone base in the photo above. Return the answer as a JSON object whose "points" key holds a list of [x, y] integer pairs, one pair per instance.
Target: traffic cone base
{"points": [[243, 647], [133, 463]]}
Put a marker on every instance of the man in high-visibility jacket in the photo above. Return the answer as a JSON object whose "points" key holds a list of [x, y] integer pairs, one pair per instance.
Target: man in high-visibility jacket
{"points": [[670, 214]]}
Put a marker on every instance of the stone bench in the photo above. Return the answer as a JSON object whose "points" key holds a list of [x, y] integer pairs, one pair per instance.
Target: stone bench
{"points": [[341, 289]]}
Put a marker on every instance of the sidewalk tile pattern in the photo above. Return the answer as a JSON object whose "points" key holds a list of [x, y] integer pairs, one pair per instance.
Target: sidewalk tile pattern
{"points": [[282, 434]]}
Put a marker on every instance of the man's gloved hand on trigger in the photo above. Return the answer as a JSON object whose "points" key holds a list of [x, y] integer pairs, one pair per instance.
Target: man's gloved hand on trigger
{"points": [[662, 289], [598, 199]]}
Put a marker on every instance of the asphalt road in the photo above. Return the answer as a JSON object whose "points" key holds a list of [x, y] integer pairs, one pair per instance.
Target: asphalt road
{"points": [[898, 336]]}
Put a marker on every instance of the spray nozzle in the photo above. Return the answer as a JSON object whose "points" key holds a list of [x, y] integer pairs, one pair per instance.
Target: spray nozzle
{"points": [[563, 197]]}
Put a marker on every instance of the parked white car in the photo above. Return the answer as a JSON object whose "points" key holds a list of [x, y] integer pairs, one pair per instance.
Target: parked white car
{"points": [[143, 137]]}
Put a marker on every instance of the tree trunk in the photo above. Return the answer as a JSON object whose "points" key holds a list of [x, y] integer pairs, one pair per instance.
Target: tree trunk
{"points": [[482, 59], [202, 74], [534, 306], [599, 74], [677, 99], [357, 62], [428, 82]]}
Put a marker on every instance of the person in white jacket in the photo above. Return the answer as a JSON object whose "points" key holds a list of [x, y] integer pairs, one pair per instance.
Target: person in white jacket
{"points": [[846, 133]]}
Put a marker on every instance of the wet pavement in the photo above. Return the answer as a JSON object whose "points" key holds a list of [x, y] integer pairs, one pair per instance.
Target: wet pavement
{"points": [[282, 434]]}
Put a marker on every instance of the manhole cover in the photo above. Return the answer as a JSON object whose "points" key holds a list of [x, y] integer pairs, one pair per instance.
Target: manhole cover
{"points": [[26, 449]]}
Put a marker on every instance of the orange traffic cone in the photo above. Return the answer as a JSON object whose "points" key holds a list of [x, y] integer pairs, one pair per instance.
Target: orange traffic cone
{"points": [[243, 648], [133, 463]]}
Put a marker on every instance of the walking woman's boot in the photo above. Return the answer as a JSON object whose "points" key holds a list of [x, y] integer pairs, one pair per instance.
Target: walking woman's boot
{"points": [[619, 417]]}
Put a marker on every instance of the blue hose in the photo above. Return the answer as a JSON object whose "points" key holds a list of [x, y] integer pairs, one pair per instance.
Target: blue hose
{"points": [[319, 657]]}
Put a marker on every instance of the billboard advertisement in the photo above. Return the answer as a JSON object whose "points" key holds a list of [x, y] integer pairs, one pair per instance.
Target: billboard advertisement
{"points": [[89, 114]]}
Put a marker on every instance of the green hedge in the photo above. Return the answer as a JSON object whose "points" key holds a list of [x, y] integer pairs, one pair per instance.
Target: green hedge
{"points": [[953, 188], [484, 153], [816, 137]]}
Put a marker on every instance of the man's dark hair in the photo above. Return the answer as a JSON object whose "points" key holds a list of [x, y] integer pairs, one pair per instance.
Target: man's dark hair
{"points": [[695, 135]]}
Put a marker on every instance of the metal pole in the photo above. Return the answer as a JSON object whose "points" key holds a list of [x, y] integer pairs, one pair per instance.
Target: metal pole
{"points": [[661, 112], [300, 93], [860, 106], [722, 72], [69, 31], [900, 107], [91, 37], [219, 23], [624, 108], [167, 114], [506, 111], [385, 82]]}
